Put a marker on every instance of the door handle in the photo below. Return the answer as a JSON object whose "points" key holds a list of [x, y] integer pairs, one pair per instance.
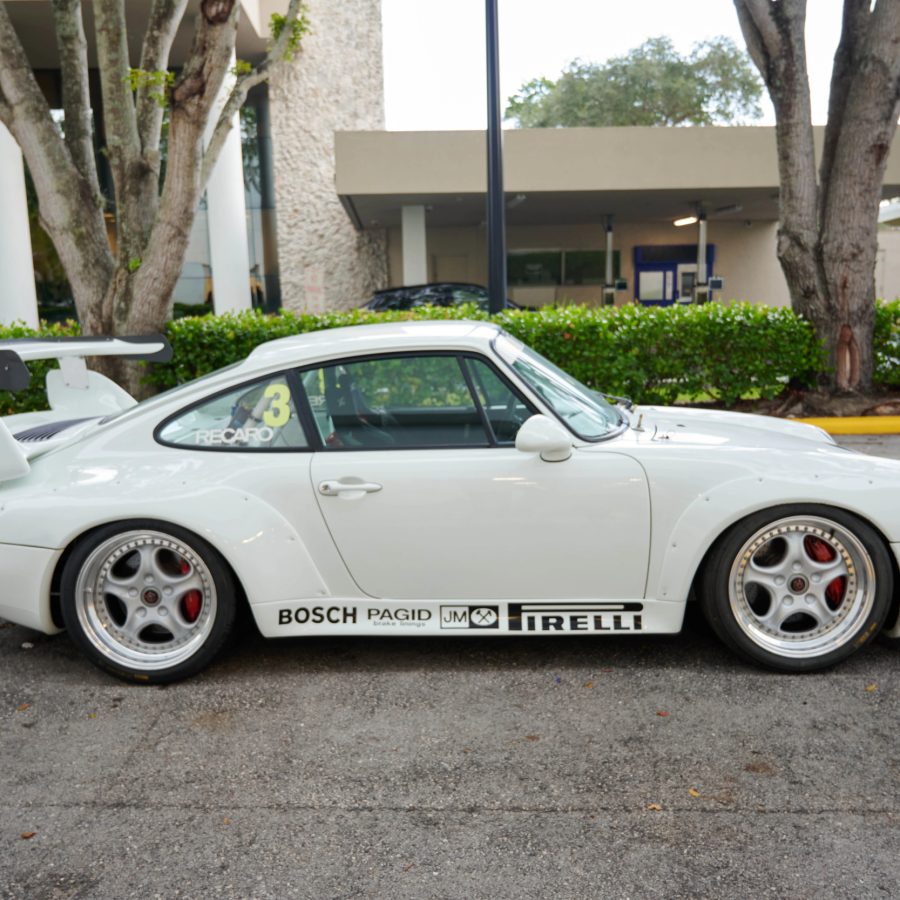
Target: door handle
{"points": [[334, 488]]}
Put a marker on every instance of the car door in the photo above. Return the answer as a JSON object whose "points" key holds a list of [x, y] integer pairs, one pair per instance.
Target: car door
{"points": [[426, 497]]}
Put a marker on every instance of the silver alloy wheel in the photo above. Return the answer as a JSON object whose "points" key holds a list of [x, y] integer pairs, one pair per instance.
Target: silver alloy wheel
{"points": [[802, 586], [145, 600]]}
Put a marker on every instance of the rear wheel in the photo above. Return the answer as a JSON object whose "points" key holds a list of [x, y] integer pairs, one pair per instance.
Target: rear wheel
{"points": [[797, 588], [147, 601]]}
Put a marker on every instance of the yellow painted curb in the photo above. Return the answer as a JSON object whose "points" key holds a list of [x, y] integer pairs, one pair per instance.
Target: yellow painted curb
{"points": [[857, 424]]}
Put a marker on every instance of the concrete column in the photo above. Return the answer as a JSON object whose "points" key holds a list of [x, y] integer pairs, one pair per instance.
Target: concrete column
{"points": [[229, 255], [701, 250], [18, 298], [415, 256]]}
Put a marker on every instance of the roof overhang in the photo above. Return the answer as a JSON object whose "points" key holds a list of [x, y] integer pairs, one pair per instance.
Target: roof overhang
{"points": [[33, 21], [567, 175]]}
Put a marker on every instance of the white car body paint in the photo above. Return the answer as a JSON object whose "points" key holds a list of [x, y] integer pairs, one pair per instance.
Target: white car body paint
{"points": [[606, 541]]}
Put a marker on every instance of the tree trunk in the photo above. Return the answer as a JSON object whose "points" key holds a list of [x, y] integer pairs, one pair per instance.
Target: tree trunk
{"points": [[828, 233], [129, 291]]}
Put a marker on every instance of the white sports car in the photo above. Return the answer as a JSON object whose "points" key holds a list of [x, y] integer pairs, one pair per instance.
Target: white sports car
{"points": [[424, 478]]}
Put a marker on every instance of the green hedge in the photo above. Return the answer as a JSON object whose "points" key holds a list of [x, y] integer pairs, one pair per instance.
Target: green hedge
{"points": [[887, 344], [654, 355]]}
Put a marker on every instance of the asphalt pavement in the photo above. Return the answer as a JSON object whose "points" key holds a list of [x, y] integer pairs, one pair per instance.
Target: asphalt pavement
{"points": [[451, 768], [873, 444]]}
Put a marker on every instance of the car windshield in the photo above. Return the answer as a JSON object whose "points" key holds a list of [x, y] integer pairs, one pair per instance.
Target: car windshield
{"points": [[583, 410]]}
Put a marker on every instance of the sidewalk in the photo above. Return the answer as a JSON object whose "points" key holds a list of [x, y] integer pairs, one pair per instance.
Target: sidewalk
{"points": [[875, 435]]}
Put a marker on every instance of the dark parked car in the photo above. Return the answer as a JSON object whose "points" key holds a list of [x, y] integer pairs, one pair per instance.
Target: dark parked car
{"points": [[439, 293]]}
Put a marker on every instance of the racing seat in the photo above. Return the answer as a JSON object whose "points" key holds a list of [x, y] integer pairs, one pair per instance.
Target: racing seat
{"points": [[355, 423]]}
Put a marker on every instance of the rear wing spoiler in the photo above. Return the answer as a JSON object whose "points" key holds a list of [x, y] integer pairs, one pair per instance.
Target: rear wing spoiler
{"points": [[72, 389]]}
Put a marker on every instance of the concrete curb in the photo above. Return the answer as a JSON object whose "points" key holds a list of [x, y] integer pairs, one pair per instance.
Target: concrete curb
{"points": [[857, 424]]}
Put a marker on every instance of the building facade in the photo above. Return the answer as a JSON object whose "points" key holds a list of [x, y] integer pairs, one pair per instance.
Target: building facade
{"points": [[565, 189]]}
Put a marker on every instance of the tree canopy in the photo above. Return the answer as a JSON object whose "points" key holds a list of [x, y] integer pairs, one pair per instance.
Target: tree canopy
{"points": [[653, 84]]}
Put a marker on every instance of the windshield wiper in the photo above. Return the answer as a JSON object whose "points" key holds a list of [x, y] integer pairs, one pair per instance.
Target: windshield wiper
{"points": [[627, 402]]}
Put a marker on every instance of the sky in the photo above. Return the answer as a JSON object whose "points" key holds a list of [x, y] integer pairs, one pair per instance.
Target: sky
{"points": [[434, 70]]}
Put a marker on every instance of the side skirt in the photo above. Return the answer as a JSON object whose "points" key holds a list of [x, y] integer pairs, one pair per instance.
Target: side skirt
{"points": [[489, 617]]}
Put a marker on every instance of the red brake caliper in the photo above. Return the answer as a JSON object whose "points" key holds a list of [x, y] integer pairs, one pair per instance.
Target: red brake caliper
{"points": [[823, 552], [192, 601]]}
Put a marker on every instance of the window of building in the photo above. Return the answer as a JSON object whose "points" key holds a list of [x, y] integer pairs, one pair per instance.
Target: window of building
{"points": [[534, 268], [587, 266], [527, 268]]}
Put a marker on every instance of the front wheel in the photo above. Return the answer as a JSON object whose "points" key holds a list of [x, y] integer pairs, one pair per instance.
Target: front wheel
{"points": [[797, 588], [147, 601]]}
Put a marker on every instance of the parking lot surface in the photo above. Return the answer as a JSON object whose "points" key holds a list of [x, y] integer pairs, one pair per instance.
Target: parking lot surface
{"points": [[450, 768]]}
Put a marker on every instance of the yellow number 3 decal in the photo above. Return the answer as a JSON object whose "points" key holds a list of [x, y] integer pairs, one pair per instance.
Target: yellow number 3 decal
{"points": [[279, 410]]}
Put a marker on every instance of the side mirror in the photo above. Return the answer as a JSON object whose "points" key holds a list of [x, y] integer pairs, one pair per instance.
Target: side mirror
{"points": [[540, 434]]}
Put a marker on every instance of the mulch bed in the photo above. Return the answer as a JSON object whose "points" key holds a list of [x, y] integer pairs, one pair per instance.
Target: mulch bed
{"points": [[812, 404]]}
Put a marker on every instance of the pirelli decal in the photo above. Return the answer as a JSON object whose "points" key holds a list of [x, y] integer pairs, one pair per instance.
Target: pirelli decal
{"points": [[590, 618]]}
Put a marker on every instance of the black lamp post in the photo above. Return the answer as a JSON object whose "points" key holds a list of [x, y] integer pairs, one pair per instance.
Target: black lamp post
{"points": [[496, 211]]}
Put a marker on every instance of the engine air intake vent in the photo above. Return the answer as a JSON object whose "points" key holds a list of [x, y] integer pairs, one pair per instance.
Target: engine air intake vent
{"points": [[45, 432]]}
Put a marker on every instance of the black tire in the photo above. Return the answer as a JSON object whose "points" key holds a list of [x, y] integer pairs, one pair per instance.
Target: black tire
{"points": [[797, 588], [147, 601]]}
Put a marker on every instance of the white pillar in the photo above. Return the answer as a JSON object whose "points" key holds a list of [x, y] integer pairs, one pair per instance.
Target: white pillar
{"points": [[415, 257], [229, 255], [701, 250], [18, 298]]}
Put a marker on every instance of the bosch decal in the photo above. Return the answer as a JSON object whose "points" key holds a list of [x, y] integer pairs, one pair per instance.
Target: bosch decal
{"points": [[317, 615]]}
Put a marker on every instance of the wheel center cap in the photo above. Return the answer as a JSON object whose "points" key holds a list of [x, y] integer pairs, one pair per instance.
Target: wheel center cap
{"points": [[150, 597], [798, 584]]}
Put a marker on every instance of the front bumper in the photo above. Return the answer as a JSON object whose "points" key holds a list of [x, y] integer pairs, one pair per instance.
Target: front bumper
{"points": [[25, 592]]}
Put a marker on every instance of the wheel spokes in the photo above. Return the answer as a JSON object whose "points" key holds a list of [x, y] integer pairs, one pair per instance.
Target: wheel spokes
{"points": [[146, 598], [799, 584]]}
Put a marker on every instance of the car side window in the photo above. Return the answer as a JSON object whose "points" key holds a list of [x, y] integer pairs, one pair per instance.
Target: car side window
{"points": [[504, 408], [255, 416], [469, 295], [394, 402]]}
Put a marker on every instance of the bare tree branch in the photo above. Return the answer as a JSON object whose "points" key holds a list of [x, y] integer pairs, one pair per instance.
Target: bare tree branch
{"points": [[859, 145], [6, 112], [885, 37], [73, 63], [165, 17], [122, 142], [242, 86], [760, 33], [192, 98], [774, 30], [855, 24]]}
